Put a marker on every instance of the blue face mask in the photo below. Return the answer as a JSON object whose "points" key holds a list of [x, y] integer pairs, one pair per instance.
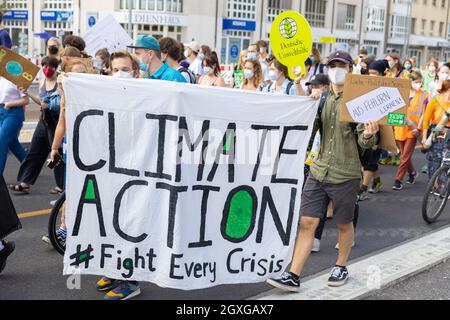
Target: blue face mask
{"points": [[143, 66], [312, 59], [251, 56]]}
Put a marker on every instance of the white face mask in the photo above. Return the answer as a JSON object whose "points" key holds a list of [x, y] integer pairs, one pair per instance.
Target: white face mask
{"points": [[207, 70], [337, 75], [432, 69], [443, 76], [391, 64], [123, 75], [186, 53], [273, 75], [416, 85], [200, 56], [248, 74]]}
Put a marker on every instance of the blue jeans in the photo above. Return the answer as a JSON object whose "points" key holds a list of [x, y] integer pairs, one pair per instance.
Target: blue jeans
{"points": [[11, 122]]}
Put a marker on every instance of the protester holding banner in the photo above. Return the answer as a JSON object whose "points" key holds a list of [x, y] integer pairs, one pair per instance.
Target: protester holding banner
{"points": [[5, 39], [253, 77], [148, 50], [335, 175], [435, 112], [406, 137], [280, 82], [41, 142], [171, 54], [124, 66], [12, 115], [211, 72]]}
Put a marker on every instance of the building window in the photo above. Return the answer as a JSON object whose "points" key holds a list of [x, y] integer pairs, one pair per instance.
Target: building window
{"points": [[371, 47], [345, 16], [315, 12], [422, 27], [399, 26], [276, 7], [431, 27], [441, 29], [375, 19], [59, 4], [241, 9]]}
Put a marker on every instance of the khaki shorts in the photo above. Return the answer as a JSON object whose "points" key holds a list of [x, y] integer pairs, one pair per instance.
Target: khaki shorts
{"points": [[316, 196]]}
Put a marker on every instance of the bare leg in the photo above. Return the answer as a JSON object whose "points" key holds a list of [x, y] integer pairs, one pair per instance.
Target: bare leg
{"points": [[346, 237], [303, 244]]}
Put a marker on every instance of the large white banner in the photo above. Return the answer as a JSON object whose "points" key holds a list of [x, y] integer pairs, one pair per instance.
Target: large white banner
{"points": [[185, 186]]}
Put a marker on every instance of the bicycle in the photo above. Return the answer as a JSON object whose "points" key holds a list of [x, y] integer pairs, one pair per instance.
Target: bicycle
{"points": [[56, 215], [438, 189]]}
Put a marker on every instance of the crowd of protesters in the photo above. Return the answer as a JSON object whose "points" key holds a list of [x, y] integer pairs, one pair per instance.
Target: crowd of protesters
{"points": [[336, 180]]}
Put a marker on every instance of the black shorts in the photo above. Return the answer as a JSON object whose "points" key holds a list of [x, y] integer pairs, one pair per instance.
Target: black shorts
{"points": [[316, 196]]}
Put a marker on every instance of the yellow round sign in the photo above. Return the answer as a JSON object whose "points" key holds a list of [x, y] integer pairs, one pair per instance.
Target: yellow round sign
{"points": [[291, 40]]}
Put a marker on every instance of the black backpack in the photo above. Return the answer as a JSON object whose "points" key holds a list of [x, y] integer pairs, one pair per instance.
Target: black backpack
{"points": [[192, 78], [362, 152]]}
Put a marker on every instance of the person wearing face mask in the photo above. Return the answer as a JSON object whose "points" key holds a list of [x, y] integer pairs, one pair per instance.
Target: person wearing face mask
{"points": [[407, 65], [191, 53], [280, 82], [406, 137], [263, 50], [211, 72], [54, 47], [40, 146], [123, 66], [395, 67], [148, 50], [442, 75], [434, 114], [335, 174], [171, 53], [253, 53], [101, 61], [252, 76], [430, 74]]}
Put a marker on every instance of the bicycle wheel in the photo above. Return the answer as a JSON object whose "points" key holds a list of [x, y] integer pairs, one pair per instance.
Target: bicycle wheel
{"points": [[54, 223], [436, 194]]}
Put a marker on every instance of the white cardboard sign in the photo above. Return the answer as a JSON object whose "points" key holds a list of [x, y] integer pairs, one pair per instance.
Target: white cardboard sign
{"points": [[375, 104], [107, 33]]}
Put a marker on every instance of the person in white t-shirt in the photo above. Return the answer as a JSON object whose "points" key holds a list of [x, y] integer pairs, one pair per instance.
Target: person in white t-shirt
{"points": [[253, 53], [12, 115], [192, 53]]}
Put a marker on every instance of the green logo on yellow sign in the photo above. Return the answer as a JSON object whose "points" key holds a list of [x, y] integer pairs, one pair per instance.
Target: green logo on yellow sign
{"points": [[288, 28]]}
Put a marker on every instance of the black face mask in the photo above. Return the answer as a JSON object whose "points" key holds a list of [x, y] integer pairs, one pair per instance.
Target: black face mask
{"points": [[53, 50], [364, 71]]}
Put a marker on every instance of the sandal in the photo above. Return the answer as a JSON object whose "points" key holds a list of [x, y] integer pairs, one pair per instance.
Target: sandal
{"points": [[56, 190], [20, 188]]}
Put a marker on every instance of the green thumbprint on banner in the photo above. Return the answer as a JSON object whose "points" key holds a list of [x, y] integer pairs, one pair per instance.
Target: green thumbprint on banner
{"points": [[14, 68], [228, 142], [240, 215], [90, 192]]}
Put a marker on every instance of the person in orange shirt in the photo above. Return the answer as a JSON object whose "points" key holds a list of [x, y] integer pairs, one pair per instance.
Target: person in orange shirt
{"points": [[433, 116], [406, 137]]}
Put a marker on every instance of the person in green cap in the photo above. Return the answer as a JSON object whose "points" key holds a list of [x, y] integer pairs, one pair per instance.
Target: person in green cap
{"points": [[148, 50]]}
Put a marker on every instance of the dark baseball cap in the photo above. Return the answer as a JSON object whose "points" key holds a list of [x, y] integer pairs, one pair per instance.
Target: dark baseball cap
{"points": [[340, 56], [379, 65], [318, 79]]}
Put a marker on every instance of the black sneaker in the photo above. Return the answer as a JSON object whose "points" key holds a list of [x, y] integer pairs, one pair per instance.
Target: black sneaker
{"points": [[412, 178], [287, 282], [339, 276], [9, 247], [398, 185]]}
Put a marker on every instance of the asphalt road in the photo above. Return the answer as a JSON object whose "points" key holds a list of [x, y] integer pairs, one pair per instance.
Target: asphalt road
{"points": [[432, 284], [34, 271]]}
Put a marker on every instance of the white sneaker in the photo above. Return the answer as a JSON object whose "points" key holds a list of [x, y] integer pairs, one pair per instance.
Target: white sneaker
{"points": [[46, 239], [316, 246], [52, 203], [337, 245]]}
